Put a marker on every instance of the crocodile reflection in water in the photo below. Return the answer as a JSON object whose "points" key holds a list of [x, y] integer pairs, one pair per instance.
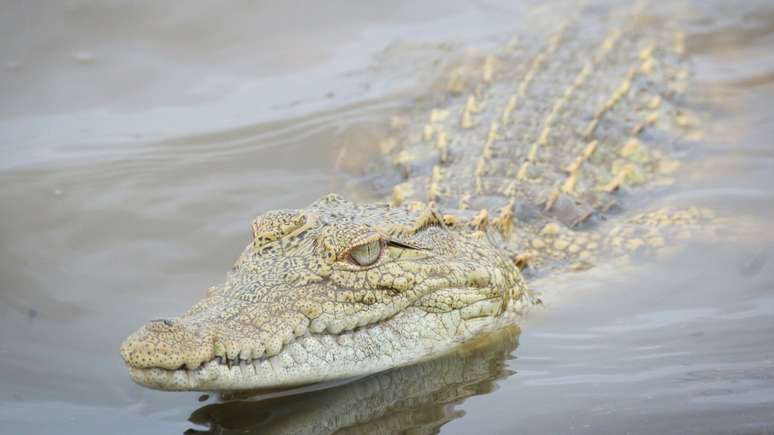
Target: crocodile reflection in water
{"points": [[421, 397]]}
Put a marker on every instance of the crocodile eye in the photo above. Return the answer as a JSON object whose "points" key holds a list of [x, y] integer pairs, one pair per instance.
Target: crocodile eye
{"points": [[367, 253]]}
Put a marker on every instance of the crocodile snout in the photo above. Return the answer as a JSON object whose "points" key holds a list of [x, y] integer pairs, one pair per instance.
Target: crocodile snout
{"points": [[167, 344]]}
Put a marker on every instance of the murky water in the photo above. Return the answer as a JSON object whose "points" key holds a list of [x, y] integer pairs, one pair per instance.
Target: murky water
{"points": [[136, 143]]}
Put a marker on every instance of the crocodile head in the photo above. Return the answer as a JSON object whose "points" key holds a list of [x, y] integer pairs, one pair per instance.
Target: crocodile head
{"points": [[336, 290]]}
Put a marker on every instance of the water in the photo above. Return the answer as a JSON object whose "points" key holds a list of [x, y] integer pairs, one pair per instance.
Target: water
{"points": [[137, 143]]}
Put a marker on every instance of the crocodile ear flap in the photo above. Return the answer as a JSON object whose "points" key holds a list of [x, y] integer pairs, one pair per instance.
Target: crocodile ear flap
{"points": [[274, 225]]}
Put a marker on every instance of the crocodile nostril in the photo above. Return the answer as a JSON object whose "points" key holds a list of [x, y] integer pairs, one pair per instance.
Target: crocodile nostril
{"points": [[166, 322]]}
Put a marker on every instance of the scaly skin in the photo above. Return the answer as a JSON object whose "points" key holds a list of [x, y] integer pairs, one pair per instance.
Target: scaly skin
{"points": [[519, 163], [297, 309]]}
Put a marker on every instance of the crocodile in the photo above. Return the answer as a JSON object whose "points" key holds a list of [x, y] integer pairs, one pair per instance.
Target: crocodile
{"points": [[529, 160]]}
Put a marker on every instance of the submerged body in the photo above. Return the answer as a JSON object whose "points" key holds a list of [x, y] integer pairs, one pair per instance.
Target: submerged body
{"points": [[520, 162]]}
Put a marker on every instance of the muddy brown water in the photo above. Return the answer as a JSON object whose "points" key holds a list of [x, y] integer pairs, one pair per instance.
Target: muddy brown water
{"points": [[137, 142]]}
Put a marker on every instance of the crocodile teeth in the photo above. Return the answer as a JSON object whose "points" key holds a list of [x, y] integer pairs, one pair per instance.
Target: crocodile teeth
{"points": [[301, 328], [232, 352], [336, 326], [258, 351], [245, 354], [317, 326]]}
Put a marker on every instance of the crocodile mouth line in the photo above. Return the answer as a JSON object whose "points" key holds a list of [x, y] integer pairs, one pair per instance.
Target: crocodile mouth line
{"points": [[240, 362], [219, 361], [219, 368], [229, 363]]}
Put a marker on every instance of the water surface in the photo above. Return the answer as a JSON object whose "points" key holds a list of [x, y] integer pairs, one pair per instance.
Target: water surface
{"points": [[137, 143]]}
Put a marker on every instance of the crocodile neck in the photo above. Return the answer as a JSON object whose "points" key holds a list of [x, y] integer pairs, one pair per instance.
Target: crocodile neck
{"points": [[539, 140]]}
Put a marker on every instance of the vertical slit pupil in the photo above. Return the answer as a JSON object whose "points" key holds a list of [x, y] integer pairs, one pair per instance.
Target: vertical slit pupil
{"points": [[367, 254]]}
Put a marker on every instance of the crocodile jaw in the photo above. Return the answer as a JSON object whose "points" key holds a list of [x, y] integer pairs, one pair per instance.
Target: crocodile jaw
{"points": [[308, 359], [409, 337]]}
